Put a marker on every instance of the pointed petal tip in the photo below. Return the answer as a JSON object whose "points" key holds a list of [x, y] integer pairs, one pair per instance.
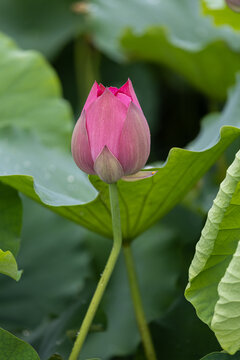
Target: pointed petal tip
{"points": [[107, 166], [128, 90], [140, 175]]}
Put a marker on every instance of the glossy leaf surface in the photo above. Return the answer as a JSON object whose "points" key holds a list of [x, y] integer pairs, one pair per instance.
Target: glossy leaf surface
{"points": [[214, 275], [12, 348]]}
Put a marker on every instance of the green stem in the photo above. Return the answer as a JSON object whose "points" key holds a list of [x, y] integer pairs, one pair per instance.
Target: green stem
{"points": [[117, 243], [138, 306], [87, 61]]}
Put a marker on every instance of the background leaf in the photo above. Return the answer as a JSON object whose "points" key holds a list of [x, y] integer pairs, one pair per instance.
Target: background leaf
{"points": [[10, 219], [30, 95], [221, 13], [13, 348], [185, 344], [221, 356], [10, 229], [183, 21], [46, 174], [174, 35], [62, 264], [56, 269], [40, 109], [214, 279], [195, 65], [56, 357], [42, 26], [8, 265]]}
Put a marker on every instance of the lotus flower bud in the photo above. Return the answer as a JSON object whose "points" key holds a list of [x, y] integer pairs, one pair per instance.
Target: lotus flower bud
{"points": [[111, 138], [234, 5]]}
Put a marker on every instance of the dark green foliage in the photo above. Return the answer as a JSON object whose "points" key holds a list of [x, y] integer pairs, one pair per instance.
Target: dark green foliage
{"points": [[184, 67]]}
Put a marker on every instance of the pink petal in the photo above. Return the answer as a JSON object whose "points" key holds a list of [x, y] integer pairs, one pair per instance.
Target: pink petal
{"points": [[80, 146], [128, 90], [140, 175], [124, 99], [101, 89], [134, 143], [107, 166], [113, 89], [95, 91], [105, 118]]}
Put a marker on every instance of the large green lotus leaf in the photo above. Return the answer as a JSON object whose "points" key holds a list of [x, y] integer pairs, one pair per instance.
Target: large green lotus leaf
{"points": [[44, 25], [30, 99], [30, 95], [214, 275], [64, 187], [221, 13], [201, 67], [56, 267], [154, 197], [212, 123], [12, 348], [185, 24], [42, 172], [221, 356]]}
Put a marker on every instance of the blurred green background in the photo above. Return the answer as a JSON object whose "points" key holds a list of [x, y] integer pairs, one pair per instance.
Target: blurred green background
{"points": [[168, 49], [182, 62]]}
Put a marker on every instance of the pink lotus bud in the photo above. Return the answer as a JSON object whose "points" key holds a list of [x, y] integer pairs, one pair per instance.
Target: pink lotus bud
{"points": [[234, 5], [111, 138]]}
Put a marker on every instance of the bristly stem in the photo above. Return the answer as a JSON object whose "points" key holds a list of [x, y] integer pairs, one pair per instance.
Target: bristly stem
{"points": [[137, 302], [117, 243]]}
